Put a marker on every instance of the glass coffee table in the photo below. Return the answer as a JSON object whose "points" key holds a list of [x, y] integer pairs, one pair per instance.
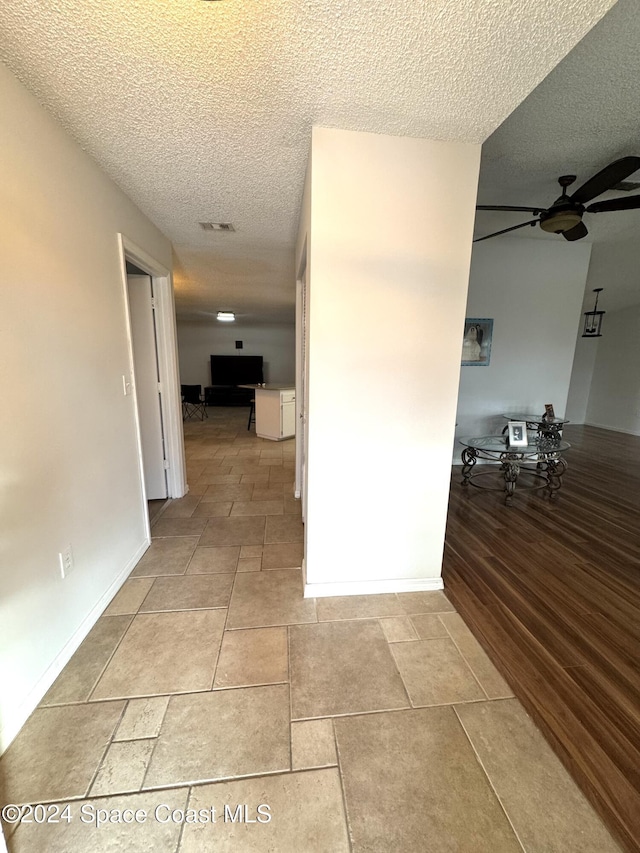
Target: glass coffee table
{"points": [[549, 430], [537, 465]]}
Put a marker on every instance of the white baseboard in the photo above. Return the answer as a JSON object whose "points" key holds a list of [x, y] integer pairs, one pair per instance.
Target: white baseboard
{"points": [[613, 429], [18, 717], [323, 590]]}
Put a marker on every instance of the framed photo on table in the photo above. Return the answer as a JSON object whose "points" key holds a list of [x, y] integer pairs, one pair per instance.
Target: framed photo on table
{"points": [[518, 434]]}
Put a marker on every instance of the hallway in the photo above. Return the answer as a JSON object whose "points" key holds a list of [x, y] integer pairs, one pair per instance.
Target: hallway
{"points": [[213, 707]]}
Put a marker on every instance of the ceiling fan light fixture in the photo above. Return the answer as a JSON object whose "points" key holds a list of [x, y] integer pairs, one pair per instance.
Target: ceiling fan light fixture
{"points": [[563, 220]]}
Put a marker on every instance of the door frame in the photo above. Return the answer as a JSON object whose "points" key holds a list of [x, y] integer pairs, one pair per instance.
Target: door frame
{"points": [[302, 382], [167, 350]]}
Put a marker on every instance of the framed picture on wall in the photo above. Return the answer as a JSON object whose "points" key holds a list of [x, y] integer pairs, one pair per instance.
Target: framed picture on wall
{"points": [[518, 434], [476, 343]]}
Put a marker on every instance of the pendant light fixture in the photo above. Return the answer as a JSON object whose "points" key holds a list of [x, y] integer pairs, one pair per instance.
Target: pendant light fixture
{"points": [[593, 319]]}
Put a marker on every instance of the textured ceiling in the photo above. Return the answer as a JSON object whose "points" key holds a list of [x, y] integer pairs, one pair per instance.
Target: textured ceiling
{"points": [[203, 111], [585, 114]]}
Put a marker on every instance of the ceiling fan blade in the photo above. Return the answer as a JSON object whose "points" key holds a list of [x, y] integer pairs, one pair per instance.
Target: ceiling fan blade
{"points": [[506, 230], [631, 202], [606, 178], [576, 233], [507, 207]]}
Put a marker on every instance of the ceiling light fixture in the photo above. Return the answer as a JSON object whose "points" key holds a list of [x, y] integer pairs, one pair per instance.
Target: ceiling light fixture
{"points": [[563, 220], [226, 316], [593, 319]]}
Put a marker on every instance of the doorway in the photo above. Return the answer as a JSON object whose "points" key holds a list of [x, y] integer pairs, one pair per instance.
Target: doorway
{"points": [[153, 381], [147, 382], [302, 380]]}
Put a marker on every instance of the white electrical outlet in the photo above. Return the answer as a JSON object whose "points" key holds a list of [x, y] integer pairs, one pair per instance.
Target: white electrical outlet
{"points": [[66, 561]]}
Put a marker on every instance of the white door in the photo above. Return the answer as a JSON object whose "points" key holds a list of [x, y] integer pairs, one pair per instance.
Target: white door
{"points": [[145, 365]]}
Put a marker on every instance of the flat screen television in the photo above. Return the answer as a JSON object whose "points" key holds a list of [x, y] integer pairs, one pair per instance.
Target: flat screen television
{"points": [[236, 370]]}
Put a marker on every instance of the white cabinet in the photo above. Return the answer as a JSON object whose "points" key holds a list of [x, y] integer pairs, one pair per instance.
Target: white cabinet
{"points": [[275, 413]]}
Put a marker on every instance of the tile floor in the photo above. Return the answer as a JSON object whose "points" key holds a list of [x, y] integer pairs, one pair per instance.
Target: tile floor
{"points": [[211, 688]]}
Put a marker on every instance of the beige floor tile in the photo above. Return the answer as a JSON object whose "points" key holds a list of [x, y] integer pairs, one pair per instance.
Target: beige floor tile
{"points": [[306, 808], [254, 656], [129, 597], [358, 607], [425, 602], [269, 462], [250, 564], [194, 469], [287, 556], [262, 492], [142, 718], [57, 752], [435, 673], [123, 768], [229, 492], [164, 653], [281, 475], [177, 527], [189, 592], [342, 668], [252, 477], [218, 735], [234, 531], [246, 465], [429, 626], [398, 629], [544, 804], [285, 528], [196, 488], [77, 836], [247, 551], [412, 784], [214, 480], [181, 507], [220, 459], [254, 507], [166, 557], [214, 560], [292, 506], [223, 476], [312, 744], [262, 599], [490, 679], [213, 509], [78, 678]]}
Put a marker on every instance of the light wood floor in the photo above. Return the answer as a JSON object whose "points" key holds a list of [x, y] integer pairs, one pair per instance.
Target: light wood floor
{"points": [[552, 591]]}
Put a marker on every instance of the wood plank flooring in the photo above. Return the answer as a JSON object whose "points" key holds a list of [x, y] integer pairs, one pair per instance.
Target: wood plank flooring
{"points": [[552, 591]]}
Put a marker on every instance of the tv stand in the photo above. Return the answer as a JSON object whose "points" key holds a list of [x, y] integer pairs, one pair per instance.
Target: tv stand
{"points": [[227, 395]]}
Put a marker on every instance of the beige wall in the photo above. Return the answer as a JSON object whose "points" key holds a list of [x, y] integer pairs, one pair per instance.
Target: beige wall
{"points": [[390, 242], [614, 396], [69, 468]]}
